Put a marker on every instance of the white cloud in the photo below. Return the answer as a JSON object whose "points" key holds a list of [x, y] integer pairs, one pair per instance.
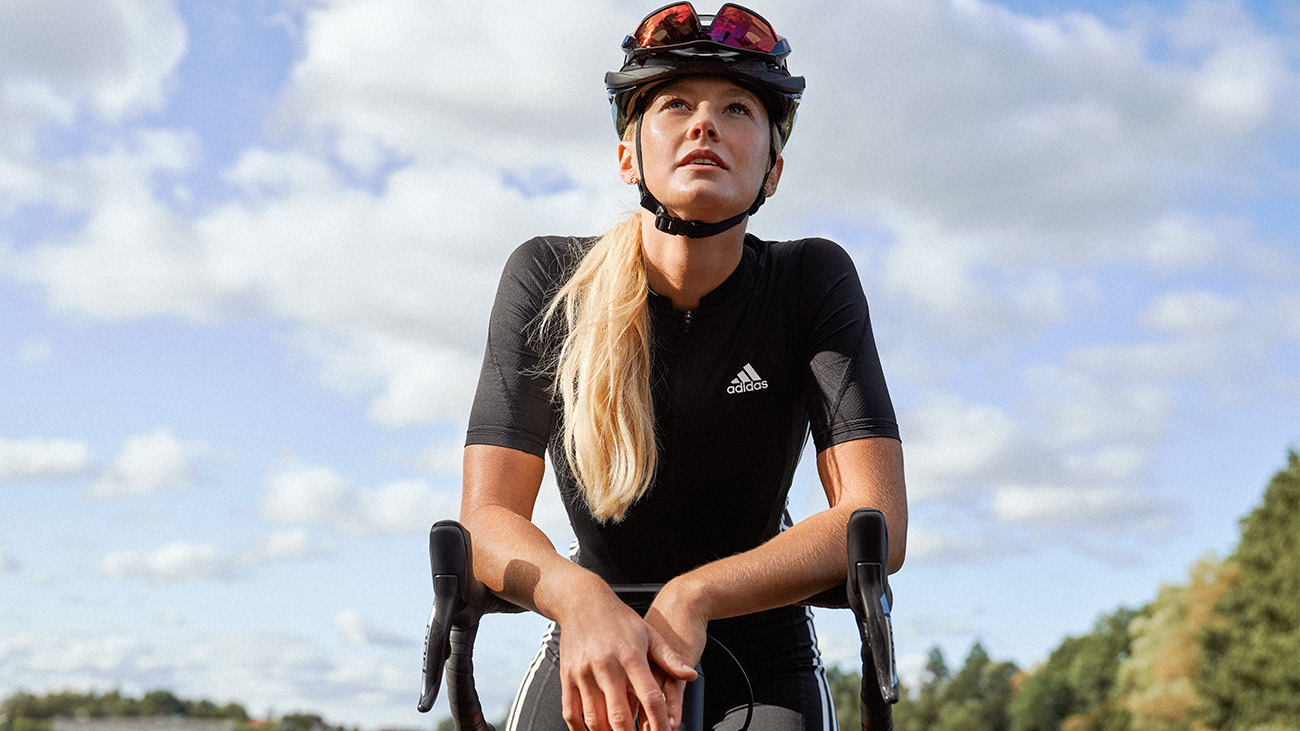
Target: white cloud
{"points": [[150, 463], [170, 563], [1094, 506], [948, 545], [305, 495], [1194, 313], [182, 562], [261, 671], [950, 443], [444, 458], [126, 50], [281, 546], [357, 631], [44, 459], [1030, 143], [35, 352]]}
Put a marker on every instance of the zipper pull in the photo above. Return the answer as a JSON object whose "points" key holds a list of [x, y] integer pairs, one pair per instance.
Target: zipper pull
{"points": [[687, 322]]}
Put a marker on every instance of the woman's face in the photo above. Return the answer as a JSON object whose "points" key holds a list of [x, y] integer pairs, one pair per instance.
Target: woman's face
{"points": [[707, 144]]}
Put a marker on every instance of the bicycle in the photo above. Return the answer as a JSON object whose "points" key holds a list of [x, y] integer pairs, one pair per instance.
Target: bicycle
{"points": [[460, 601]]}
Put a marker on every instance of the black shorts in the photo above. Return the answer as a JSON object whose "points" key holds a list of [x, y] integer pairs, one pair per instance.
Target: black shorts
{"points": [[777, 649]]}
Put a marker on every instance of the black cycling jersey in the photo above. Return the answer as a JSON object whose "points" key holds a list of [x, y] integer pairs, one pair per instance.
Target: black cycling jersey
{"points": [[781, 348]]}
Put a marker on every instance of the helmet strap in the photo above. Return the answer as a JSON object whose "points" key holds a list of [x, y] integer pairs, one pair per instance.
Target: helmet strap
{"points": [[674, 226]]}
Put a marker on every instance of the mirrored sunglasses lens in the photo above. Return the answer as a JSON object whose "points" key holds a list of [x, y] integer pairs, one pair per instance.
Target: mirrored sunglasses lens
{"points": [[676, 24], [740, 28]]}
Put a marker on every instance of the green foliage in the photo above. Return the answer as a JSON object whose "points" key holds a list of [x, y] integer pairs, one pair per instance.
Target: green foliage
{"points": [[974, 699], [846, 691], [1250, 676], [1077, 683], [1156, 681], [23, 707]]}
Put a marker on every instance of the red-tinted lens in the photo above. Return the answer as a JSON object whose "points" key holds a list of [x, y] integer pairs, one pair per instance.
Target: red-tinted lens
{"points": [[672, 25], [740, 28]]}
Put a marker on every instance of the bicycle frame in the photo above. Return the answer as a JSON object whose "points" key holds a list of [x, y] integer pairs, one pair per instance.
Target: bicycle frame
{"points": [[460, 601]]}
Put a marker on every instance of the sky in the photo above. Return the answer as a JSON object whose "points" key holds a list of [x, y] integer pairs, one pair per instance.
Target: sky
{"points": [[248, 249]]}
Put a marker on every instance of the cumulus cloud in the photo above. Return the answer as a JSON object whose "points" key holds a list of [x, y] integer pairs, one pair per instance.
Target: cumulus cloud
{"points": [[262, 671], [152, 462], [1193, 312], [1059, 504], [44, 459], [306, 494], [282, 546], [357, 631], [125, 52], [170, 563], [984, 148], [183, 562], [35, 352]]}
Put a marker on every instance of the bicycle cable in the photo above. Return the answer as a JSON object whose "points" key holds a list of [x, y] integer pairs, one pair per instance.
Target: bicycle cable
{"points": [[749, 711]]}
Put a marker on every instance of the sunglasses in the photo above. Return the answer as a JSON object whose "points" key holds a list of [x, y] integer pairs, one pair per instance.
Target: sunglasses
{"points": [[732, 26]]}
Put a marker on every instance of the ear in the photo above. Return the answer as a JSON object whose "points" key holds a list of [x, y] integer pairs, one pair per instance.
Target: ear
{"points": [[627, 168], [774, 177]]}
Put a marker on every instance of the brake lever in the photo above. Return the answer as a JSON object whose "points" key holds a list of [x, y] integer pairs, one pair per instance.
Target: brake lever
{"points": [[449, 561], [870, 597]]}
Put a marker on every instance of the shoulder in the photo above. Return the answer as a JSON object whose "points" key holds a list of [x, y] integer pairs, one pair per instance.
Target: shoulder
{"points": [[548, 253], [542, 263], [810, 260]]}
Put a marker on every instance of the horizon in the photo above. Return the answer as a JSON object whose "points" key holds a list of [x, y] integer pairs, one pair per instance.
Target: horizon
{"points": [[247, 253]]}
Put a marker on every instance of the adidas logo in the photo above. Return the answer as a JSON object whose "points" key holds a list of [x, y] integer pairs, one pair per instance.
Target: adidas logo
{"points": [[746, 380]]}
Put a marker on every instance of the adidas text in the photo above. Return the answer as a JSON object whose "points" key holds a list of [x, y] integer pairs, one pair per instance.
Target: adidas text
{"points": [[747, 380]]}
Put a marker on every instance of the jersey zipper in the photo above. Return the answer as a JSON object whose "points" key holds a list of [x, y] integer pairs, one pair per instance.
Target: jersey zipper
{"points": [[686, 320]]}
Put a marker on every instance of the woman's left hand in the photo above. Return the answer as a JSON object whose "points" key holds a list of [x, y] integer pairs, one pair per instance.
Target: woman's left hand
{"points": [[679, 617]]}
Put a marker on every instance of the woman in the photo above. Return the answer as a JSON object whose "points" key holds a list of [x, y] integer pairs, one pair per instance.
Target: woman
{"points": [[673, 368]]}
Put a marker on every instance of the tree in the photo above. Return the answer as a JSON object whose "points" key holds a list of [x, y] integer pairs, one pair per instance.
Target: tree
{"points": [[977, 696], [1156, 682], [1075, 689], [920, 711], [846, 692], [1250, 676]]}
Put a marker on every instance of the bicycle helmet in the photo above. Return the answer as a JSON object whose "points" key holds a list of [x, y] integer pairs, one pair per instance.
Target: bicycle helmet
{"points": [[735, 43]]}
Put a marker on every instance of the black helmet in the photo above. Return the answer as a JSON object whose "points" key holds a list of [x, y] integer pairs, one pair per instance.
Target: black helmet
{"points": [[735, 43]]}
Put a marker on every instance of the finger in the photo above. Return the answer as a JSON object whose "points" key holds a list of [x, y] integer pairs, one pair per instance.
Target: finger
{"points": [[650, 697], [617, 713], [674, 693], [593, 707], [667, 658], [575, 705]]}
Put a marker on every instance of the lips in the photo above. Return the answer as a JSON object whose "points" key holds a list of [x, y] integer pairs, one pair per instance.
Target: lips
{"points": [[701, 157]]}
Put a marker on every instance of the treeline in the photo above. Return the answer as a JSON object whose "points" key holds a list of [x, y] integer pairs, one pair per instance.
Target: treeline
{"points": [[1220, 653], [28, 712]]}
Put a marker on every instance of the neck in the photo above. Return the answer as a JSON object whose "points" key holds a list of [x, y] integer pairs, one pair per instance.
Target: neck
{"points": [[685, 269]]}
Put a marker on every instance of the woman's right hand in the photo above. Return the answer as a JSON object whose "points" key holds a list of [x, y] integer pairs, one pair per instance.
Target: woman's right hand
{"points": [[606, 656]]}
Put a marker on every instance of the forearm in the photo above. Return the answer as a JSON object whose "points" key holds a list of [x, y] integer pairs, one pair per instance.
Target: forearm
{"points": [[799, 562], [810, 556], [516, 560]]}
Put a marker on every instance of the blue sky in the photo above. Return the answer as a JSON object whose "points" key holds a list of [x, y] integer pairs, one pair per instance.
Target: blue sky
{"points": [[247, 251]]}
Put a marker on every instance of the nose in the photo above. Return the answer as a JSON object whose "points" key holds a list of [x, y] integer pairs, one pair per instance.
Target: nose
{"points": [[703, 125]]}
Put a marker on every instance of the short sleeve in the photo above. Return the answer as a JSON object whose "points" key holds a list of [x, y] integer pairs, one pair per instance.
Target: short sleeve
{"points": [[512, 404], [847, 396]]}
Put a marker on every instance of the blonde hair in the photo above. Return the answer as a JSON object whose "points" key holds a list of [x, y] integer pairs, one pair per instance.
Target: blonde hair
{"points": [[602, 373], [601, 368]]}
